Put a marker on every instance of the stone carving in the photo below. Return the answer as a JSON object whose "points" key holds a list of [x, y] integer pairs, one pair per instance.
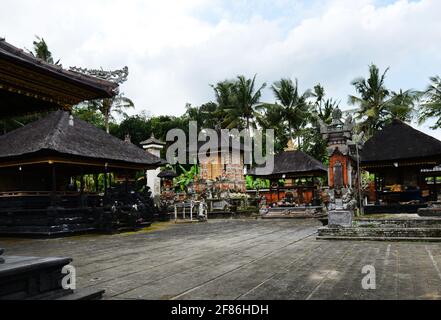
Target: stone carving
{"points": [[341, 218], [115, 76], [349, 200]]}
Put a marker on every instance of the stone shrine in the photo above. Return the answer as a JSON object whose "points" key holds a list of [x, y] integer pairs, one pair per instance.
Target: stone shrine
{"points": [[342, 171]]}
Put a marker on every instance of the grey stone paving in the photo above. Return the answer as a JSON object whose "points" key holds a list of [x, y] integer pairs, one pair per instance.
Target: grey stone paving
{"points": [[242, 259]]}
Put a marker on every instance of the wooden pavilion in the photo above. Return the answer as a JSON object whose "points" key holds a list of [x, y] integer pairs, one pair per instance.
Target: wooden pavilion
{"points": [[404, 162], [40, 162], [300, 173]]}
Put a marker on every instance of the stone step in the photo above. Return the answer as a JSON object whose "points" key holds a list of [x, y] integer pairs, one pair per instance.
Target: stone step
{"points": [[84, 294], [400, 223], [411, 239], [381, 232]]}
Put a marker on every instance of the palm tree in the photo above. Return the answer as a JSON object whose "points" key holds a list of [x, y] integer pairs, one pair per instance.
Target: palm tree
{"points": [[226, 102], [323, 108], [273, 117], [372, 100], [431, 107], [402, 105], [246, 98], [378, 106], [295, 105], [41, 51], [116, 104]]}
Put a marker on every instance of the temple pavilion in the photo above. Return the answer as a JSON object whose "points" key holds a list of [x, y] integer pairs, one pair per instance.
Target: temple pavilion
{"points": [[404, 164], [49, 169], [300, 173]]}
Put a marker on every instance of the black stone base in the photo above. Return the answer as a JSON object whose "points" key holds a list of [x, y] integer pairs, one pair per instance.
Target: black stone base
{"points": [[393, 208], [31, 278]]}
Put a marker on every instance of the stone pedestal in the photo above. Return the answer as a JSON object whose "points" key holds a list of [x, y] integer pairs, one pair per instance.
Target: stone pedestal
{"points": [[340, 218]]}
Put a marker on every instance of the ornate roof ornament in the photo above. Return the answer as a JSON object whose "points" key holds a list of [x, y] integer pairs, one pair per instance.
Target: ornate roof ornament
{"points": [[116, 76]]}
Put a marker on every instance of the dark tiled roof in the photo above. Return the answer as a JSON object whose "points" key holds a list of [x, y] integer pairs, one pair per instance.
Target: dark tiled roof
{"points": [[168, 174], [102, 87], [399, 141], [295, 163], [153, 140], [54, 134]]}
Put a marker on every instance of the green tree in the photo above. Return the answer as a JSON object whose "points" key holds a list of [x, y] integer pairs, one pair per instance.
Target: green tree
{"points": [[208, 115], [431, 106], [247, 98], [295, 105], [90, 115], [377, 104], [117, 104], [322, 109], [372, 100], [226, 103], [41, 51], [402, 105], [272, 117], [138, 127]]}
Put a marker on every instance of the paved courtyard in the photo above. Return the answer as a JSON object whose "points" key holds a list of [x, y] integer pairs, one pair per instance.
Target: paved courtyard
{"points": [[242, 259]]}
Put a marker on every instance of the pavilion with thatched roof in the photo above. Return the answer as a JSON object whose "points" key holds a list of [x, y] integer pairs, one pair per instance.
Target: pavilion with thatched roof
{"points": [[44, 165], [403, 161], [39, 162], [300, 172]]}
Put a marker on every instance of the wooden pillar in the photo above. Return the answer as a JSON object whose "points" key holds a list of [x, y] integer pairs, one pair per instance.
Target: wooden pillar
{"points": [[126, 181], [54, 185], [105, 182], [83, 203], [82, 186], [96, 182], [377, 189]]}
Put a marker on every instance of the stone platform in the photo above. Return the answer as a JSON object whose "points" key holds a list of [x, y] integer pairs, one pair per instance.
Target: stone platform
{"points": [[405, 228], [244, 260], [294, 213], [434, 210], [33, 278]]}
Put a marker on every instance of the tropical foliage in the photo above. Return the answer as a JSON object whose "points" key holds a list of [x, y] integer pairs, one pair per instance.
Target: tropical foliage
{"points": [[431, 106], [237, 103], [41, 51], [377, 104], [187, 177]]}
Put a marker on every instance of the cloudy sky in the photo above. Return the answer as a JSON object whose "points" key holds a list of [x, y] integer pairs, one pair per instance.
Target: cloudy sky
{"points": [[176, 48]]}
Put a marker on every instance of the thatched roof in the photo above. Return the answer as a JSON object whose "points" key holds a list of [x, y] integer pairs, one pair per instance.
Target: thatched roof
{"points": [[295, 164], [57, 135], [399, 141]]}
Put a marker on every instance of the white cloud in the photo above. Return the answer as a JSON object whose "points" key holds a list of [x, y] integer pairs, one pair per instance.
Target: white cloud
{"points": [[175, 49]]}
